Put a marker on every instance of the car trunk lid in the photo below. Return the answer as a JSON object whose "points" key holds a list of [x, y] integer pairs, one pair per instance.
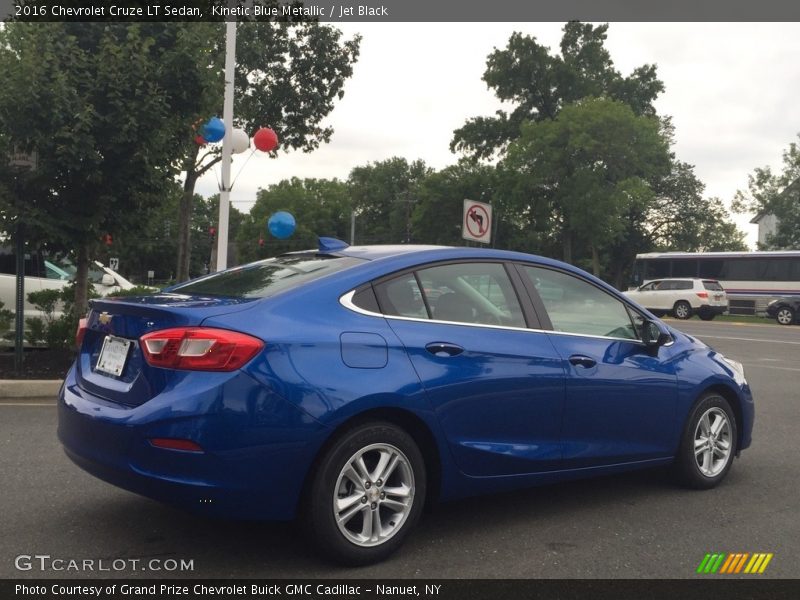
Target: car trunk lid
{"points": [[128, 379]]}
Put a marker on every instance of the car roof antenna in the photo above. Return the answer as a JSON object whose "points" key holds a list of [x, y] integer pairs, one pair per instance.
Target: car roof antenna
{"points": [[329, 244]]}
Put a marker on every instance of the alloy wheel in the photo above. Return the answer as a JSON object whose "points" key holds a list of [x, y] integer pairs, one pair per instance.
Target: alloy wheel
{"points": [[374, 494], [712, 442]]}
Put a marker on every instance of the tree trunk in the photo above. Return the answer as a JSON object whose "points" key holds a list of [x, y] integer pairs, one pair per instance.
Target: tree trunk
{"points": [[567, 246], [82, 282], [595, 261], [185, 218]]}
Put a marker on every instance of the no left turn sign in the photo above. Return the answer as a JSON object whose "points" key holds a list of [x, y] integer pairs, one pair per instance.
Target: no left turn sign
{"points": [[477, 221]]}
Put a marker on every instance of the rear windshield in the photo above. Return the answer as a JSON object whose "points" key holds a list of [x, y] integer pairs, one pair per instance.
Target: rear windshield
{"points": [[712, 285], [267, 277]]}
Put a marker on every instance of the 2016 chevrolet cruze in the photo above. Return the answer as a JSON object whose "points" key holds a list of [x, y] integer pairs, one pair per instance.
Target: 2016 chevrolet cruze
{"points": [[350, 385]]}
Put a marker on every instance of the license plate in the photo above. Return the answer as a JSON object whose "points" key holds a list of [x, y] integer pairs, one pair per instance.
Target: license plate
{"points": [[113, 355]]}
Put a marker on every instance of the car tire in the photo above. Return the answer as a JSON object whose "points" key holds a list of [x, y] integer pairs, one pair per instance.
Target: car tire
{"points": [[342, 513], [784, 316], [706, 316], [682, 310], [708, 444]]}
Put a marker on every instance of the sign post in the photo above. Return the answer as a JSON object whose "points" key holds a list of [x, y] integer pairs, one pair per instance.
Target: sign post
{"points": [[477, 222], [20, 161]]}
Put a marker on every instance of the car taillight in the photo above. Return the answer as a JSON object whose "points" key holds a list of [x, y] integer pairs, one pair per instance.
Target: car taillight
{"points": [[199, 348], [702, 294], [80, 332]]}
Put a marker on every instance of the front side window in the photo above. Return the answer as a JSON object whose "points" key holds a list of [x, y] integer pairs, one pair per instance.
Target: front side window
{"points": [[576, 306]]}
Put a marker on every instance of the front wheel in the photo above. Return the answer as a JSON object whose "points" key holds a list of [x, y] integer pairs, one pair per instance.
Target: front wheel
{"points": [[682, 309], [708, 444], [785, 316], [366, 494]]}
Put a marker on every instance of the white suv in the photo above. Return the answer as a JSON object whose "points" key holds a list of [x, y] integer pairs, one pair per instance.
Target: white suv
{"points": [[682, 297]]}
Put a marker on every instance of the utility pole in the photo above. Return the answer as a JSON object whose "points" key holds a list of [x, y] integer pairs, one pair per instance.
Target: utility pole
{"points": [[227, 118]]}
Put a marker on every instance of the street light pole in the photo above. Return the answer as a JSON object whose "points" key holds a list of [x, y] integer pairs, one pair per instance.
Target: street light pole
{"points": [[227, 118]]}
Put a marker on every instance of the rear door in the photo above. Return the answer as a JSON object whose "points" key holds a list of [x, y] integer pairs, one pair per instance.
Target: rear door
{"points": [[496, 387]]}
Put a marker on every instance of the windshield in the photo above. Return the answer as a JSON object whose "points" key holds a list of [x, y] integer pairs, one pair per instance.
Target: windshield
{"points": [[266, 278]]}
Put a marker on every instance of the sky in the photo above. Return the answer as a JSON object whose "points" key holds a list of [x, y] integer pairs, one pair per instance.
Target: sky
{"points": [[732, 89]]}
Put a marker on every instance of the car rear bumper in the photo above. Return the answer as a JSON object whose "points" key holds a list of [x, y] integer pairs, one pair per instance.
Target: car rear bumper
{"points": [[707, 309], [257, 447]]}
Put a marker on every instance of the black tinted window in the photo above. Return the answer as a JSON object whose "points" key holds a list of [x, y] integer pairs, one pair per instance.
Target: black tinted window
{"points": [[401, 297], [684, 268], [712, 285], [365, 299], [267, 277]]}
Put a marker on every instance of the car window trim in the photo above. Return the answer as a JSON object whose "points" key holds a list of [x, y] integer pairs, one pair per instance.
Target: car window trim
{"points": [[531, 303], [346, 300]]}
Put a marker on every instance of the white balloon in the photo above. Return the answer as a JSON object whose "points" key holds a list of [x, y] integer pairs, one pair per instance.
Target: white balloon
{"points": [[239, 141]]}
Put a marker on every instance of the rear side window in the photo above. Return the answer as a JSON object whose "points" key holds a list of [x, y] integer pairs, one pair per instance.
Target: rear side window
{"points": [[712, 285], [267, 277], [401, 297], [478, 292]]}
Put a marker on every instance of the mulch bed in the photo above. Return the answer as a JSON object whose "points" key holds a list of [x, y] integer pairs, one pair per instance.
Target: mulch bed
{"points": [[38, 364]]}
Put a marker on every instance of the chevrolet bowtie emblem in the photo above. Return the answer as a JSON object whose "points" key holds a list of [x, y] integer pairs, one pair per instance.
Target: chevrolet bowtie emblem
{"points": [[104, 318]]}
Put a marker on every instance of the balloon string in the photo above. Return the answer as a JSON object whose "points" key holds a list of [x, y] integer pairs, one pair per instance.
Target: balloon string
{"points": [[219, 181], [244, 164]]}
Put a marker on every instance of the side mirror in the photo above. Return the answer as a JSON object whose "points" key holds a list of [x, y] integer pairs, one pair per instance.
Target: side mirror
{"points": [[108, 280], [655, 334]]}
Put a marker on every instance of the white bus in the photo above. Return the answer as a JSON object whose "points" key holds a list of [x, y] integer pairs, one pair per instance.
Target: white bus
{"points": [[751, 279]]}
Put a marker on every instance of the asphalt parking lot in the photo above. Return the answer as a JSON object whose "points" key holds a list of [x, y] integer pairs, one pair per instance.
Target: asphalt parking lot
{"points": [[636, 525]]}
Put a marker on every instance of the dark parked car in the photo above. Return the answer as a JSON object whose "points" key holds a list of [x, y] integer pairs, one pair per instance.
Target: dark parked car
{"points": [[785, 310], [350, 385]]}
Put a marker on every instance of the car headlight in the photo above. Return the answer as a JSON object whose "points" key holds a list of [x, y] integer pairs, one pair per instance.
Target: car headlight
{"points": [[773, 302], [738, 368]]}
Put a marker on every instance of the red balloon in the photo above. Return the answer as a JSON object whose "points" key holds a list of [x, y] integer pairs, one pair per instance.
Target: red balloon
{"points": [[200, 140], [265, 139]]}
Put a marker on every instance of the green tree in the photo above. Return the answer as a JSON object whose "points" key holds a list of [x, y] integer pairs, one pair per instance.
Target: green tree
{"points": [[384, 194], [437, 216], [776, 194], [539, 85], [678, 218], [100, 105], [288, 77], [590, 165], [321, 207]]}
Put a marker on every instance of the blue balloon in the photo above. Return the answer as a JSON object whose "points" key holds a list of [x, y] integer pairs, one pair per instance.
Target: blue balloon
{"points": [[213, 130], [281, 224]]}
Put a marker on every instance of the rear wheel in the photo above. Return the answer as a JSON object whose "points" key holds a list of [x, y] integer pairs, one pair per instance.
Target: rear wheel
{"points": [[708, 444], [785, 315], [367, 494], [682, 309]]}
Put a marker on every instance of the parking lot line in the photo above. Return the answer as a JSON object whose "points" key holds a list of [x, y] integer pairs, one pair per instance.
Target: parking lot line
{"points": [[740, 339]]}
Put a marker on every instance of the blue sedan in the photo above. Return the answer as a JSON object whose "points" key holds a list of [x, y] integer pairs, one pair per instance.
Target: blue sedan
{"points": [[350, 386]]}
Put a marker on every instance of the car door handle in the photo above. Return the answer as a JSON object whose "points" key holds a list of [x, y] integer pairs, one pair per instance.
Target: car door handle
{"points": [[444, 349], [579, 360]]}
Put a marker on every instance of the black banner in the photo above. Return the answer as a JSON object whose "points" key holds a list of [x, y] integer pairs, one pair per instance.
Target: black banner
{"points": [[396, 589], [401, 10]]}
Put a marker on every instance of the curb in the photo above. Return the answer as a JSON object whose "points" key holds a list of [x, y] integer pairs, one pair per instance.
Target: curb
{"points": [[29, 388]]}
